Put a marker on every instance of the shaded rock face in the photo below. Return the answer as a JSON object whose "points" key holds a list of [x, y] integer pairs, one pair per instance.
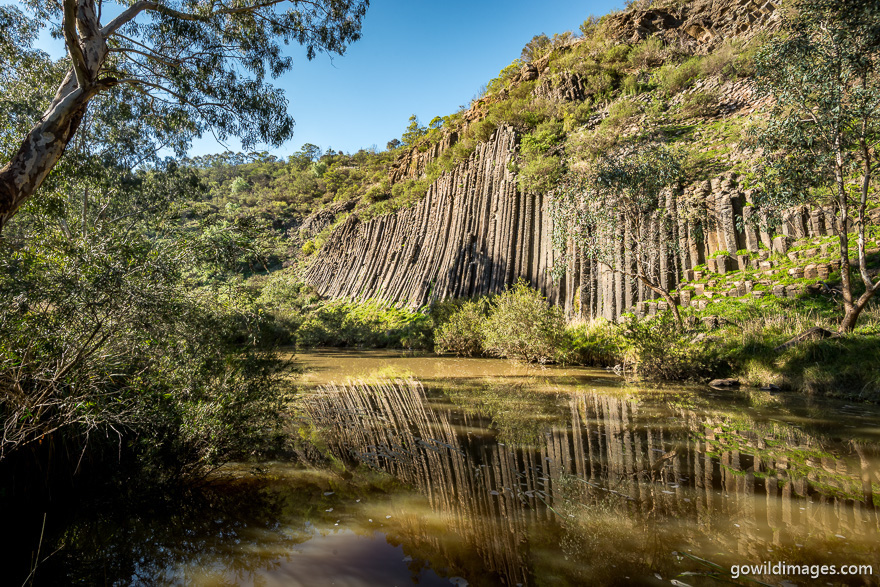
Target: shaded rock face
{"points": [[471, 235]]}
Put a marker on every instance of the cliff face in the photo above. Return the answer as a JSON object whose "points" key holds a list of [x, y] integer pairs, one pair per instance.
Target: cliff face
{"points": [[471, 235], [697, 25], [475, 232]]}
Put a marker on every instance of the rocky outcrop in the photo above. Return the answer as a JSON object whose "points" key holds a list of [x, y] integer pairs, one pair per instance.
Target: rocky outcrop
{"points": [[698, 26], [323, 218], [413, 163], [472, 234], [475, 233]]}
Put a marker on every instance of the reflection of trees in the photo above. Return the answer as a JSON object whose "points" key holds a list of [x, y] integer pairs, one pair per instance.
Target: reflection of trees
{"points": [[675, 474], [225, 534]]}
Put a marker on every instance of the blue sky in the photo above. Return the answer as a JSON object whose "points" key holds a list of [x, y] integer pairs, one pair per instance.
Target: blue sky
{"points": [[415, 57]]}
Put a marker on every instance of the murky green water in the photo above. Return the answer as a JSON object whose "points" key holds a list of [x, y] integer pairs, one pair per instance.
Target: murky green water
{"points": [[450, 471]]}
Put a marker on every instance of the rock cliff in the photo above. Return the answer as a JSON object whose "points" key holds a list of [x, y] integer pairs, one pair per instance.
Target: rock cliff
{"points": [[476, 232]]}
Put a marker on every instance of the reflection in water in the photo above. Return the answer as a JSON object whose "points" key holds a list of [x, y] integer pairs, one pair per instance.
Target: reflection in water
{"points": [[612, 488], [535, 478]]}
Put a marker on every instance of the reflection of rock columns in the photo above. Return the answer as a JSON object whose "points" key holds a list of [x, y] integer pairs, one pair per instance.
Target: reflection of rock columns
{"points": [[490, 494]]}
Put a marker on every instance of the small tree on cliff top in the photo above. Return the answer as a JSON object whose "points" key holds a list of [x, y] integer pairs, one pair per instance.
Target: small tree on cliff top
{"points": [[822, 134], [620, 201], [184, 66]]}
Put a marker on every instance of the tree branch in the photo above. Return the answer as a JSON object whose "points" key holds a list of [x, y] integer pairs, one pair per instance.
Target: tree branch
{"points": [[73, 47]]}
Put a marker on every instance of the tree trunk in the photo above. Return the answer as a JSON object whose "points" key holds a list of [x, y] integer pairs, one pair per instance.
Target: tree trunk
{"points": [[855, 309], [38, 154], [45, 143]]}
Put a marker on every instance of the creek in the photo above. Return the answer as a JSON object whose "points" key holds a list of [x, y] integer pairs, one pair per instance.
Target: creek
{"points": [[439, 471]]}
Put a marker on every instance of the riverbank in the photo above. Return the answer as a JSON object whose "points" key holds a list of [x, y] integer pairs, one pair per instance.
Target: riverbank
{"points": [[746, 338]]}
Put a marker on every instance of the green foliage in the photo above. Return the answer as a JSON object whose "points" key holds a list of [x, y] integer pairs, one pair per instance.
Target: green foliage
{"points": [[657, 349], [523, 326], [824, 78], [672, 79], [414, 131], [364, 324], [541, 166], [283, 302], [111, 339], [649, 53], [595, 344], [722, 61], [700, 104], [503, 80], [541, 45], [539, 173], [462, 332], [616, 54]]}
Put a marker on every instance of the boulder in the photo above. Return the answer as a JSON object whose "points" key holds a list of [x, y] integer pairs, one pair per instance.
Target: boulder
{"points": [[781, 244], [815, 333], [724, 383]]}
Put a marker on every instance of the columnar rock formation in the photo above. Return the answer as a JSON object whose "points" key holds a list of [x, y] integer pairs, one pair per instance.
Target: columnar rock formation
{"points": [[475, 233], [472, 234]]}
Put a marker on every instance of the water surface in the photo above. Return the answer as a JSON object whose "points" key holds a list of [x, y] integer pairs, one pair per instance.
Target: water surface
{"points": [[439, 471]]}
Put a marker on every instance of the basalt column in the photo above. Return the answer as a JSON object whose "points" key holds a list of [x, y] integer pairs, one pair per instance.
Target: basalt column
{"points": [[473, 234]]}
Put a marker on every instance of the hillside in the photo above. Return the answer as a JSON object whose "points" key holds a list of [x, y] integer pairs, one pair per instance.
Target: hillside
{"points": [[681, 74]]}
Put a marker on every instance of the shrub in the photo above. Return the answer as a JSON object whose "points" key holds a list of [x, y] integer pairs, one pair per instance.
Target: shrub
{"points": [[364, 324], [523, 326], [106, 349], [656, 349], [672, 79], [540, 170], [630, 85], [620, 114], [648, 53], [722, 60], [308, 248], [539, 174], [600, 84], [616, 54], [701, 104], [283, 300], [463, 332], [596, 343]]}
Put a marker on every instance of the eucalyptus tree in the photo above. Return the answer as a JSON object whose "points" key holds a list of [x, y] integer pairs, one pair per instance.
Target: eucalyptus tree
{"points": [[821, 136], [181, 68], [619, 201]]}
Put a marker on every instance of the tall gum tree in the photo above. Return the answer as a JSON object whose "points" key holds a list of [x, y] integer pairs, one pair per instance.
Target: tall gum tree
{"points": [[821, 137], [191, 67]]}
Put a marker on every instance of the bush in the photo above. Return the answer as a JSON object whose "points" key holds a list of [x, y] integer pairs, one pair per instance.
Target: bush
{"points": [[616, 54], [596, 343], [540, 169], [462, 333], [621, 114], [672, 79], [523, 326], [721, 62], [700, 104], [365, 324], [106, 349], [656, 349], [283, 300], [648, 53]]}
